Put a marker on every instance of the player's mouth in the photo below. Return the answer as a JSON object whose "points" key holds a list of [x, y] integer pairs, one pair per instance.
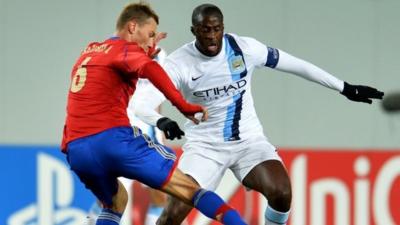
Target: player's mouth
{"points": [[212, 47]]}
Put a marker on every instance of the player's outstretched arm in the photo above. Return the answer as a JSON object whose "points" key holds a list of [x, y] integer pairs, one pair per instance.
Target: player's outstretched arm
{"points": [[358, 93]]}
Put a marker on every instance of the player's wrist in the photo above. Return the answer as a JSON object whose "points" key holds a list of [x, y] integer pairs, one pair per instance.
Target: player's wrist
{"points": [[347, 89]]}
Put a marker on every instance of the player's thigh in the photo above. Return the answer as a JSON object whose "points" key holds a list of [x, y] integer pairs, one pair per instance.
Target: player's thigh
{"points": [[205, 169], [86, 165], [259, 164], [146, 161]]}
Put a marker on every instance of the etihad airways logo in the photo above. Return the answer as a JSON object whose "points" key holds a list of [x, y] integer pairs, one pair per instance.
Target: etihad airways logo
{"points": [[221, 91]]}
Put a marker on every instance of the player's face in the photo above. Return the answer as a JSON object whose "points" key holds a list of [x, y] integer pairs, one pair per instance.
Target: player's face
{"points": [[209, 34], [145, 34]]}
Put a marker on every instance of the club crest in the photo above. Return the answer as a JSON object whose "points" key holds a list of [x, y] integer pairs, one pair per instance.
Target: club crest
{"points": [[236, 64]]}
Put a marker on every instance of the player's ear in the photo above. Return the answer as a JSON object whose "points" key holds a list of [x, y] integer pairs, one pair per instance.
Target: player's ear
{"points": [[132, 26]]}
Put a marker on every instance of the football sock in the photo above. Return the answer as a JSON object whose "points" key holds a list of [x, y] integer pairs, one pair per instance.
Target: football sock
{"points": [[273, 217], [108, 217], [211, 205]]}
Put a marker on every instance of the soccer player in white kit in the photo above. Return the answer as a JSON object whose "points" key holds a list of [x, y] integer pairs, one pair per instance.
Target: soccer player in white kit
{"points": [[215, 71]]}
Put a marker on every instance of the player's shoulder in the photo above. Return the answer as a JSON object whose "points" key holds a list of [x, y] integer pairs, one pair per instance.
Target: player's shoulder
{"points": [[121, 45], [243, 41], [183, 54]]}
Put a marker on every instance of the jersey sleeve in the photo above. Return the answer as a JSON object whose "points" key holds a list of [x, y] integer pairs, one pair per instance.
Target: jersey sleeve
{"points": [[274, 58], [257, 52], [173, 72], [145, 101], [309, 71]]}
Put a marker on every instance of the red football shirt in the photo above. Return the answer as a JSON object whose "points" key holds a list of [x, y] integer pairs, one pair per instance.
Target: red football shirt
{"points": [[102, 82]]}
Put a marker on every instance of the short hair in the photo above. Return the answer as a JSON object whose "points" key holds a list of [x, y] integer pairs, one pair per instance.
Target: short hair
{"points": [[136, 11], [204, 10]]}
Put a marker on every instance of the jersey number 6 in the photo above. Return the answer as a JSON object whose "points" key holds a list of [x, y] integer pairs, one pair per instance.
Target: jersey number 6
{"points": [[78, 81]]}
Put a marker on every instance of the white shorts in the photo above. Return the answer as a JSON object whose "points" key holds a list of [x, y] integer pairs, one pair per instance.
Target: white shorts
{"points": [[207, 162]]}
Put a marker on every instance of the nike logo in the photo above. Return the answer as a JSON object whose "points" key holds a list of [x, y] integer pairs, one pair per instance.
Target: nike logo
{"points": [[196, 78]]}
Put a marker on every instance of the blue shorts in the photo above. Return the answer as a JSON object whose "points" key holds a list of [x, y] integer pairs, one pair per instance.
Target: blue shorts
{"points": [[100, 159]]}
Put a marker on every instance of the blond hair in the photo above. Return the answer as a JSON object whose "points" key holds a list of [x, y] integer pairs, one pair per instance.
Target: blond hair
{"points": [[139, 12]]}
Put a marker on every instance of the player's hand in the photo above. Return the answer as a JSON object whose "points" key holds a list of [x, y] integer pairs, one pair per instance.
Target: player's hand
{"points": [[159, 37], [170, 128], [199, 116], [153, 51], [361, 93]]}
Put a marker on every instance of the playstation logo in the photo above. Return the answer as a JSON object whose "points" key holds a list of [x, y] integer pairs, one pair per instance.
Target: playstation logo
{"points": [[55, 194]]}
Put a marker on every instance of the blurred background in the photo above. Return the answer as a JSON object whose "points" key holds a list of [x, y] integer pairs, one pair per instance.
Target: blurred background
{"points": [[357, 41]]}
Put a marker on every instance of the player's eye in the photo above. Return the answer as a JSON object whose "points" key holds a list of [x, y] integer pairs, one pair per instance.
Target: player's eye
{"points": [[205, 29]]}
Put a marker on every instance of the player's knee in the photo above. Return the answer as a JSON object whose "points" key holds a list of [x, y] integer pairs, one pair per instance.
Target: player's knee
{"points": [[280, 197], [174, 213], [178, 208]]}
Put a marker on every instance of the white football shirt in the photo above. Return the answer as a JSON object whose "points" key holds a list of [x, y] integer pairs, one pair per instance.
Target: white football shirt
{"points": [[222, 83]]}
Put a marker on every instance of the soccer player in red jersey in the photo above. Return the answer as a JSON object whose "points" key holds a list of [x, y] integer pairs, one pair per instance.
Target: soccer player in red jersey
{"points": [[98, 140]]}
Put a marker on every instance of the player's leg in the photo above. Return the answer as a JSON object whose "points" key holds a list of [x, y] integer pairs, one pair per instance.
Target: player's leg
{"points": [[207, 202], [174, 212], [154, 165], [260, 168], [127, 217], [271, 179], [96, 208], [92, 165], [111, 213], [158, 199], [192, 163]]}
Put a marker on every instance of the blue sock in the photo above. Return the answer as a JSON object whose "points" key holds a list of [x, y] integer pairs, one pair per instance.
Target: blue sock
{"points": [[108, 217], [232, 217], [275, 217], [210, 204]]}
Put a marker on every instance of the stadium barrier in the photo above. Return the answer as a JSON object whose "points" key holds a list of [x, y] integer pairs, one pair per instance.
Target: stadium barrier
{"points": [[330, 187]]}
